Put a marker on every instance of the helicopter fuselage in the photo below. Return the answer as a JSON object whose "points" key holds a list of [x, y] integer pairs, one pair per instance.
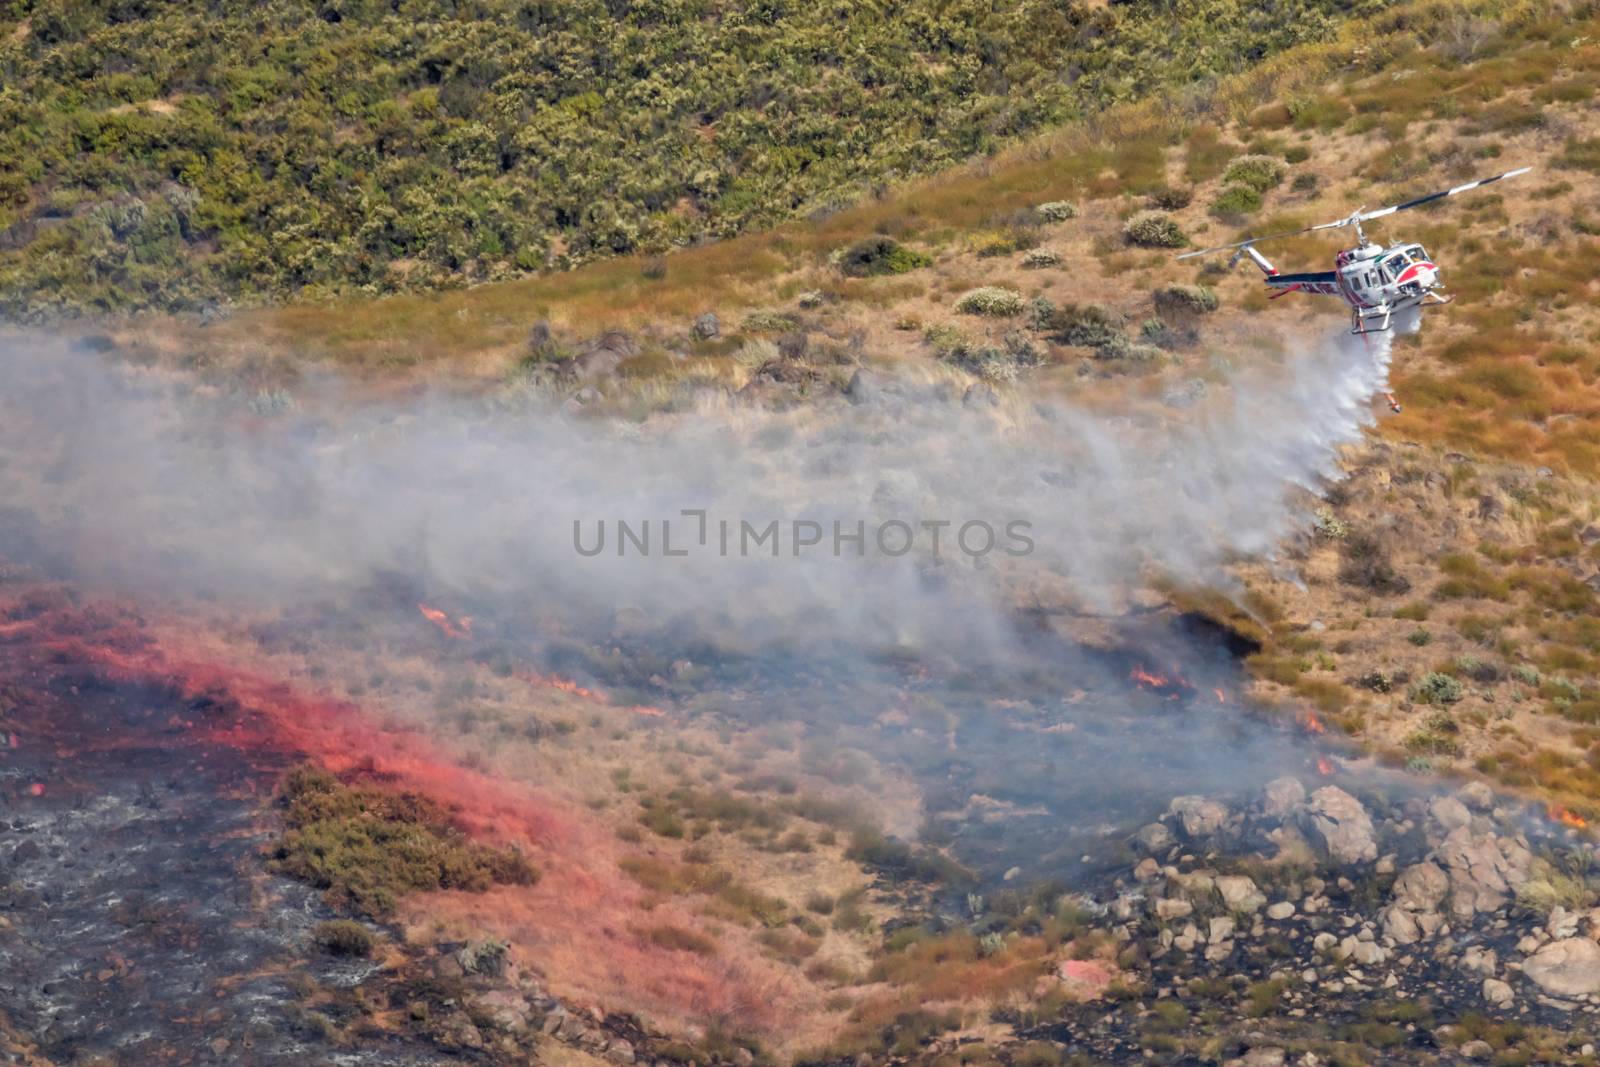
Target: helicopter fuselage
{"points": [[1376, 281]]}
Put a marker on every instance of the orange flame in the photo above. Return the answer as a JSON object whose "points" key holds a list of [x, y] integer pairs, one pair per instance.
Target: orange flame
{"points": [[567, 685], [1324, 768], [1312, 723], [1145, 678], [37, 789], [1222, 698], [458, 628], [1566, 816]]}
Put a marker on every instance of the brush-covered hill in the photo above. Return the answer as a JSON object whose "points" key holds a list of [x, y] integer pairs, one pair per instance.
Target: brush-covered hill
{"points": [[165, 155], [1441, 609]]}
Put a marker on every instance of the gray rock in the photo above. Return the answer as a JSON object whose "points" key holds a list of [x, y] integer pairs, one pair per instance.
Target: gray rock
{"points": [[1280, 911], [1198, 816], [1477, 796], [1421, 887], [1450, 812], [1484, 870], [1239, 893], [1222, 928], [1477, 1050], [1172, 908], [1567, 968], [707, 326], [1343, 825], [1480, 960], [1282, 796], [1154, 837]]}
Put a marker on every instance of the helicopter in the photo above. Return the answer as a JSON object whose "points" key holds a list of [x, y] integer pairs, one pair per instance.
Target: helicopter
{"points": [[1375, 280]]}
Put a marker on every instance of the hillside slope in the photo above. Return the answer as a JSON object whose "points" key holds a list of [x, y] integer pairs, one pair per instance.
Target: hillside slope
{"points": [[172, 155]]}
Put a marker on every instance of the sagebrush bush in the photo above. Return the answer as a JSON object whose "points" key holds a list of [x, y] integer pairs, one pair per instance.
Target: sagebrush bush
{"points": [[1036, 258], [994, 301], [1172, 198], [1236, 200], [1154, 229], [1057, 211], [1436, 688], [1258, 172], [1088, 325], [1185, 299]]}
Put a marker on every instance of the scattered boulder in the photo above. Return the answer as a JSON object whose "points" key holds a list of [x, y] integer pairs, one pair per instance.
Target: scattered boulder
{"points": [[1498, 993], [1154, 837], [1280, 911], [1484, 870], [1239, 893], [1343, 824], [1198, 816], [707, 326], [1421, 887], [1566, 968], [1169, 908], [1480, 960], [1282, 796], [1450, 813]]}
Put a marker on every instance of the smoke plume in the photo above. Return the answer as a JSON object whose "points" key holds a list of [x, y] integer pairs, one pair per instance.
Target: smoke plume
{"points": [[141, 482]]}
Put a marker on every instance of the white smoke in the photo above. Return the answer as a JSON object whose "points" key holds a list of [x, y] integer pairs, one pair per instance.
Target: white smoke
{"points": [[136, 480]]}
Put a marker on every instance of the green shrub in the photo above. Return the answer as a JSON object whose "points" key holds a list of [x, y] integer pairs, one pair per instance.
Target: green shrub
{"points": [[1236, 200], [1436, 688], [1057, 211], [1087, 325], [344, 937], [878, 255], [1154, 229], [1172, 198], [1296, 154], [1190, 299], [1041, 257], [1256, 172], [367, 847], [993, 301]]}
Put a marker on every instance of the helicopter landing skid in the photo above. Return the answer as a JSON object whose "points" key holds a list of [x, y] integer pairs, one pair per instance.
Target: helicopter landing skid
{"points": [[1374, 321]]}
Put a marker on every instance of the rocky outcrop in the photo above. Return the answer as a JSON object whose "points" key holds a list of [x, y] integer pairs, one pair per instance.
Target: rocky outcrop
{"points": [[1199, 816], [1343, 825], [1484, 869], [1567, 968], [1281, 797]]}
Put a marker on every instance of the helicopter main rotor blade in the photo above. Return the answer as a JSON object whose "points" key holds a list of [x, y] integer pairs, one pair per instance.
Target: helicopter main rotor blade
{"points": [[1431, 197], [1256, 240], [1360, 216]]}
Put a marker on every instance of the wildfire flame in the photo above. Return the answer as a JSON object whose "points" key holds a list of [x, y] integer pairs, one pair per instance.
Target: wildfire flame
{"points": [[1312, 723], [459, 628], [1324, 768], [1145, 678], [1222, 698], [567, 685], [1566, 816]]}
